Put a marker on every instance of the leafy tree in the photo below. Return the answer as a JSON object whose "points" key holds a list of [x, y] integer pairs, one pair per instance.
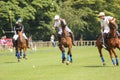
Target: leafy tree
{"points": [[37, 15], [11, 10], [43, 22], [79, 17]]}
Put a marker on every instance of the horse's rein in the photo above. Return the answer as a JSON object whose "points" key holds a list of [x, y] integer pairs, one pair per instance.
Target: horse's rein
{"points": [[20, 35]]}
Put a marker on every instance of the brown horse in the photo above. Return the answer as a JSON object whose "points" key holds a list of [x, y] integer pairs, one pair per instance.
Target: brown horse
{"points": [[66, 42], [21, 44], [112, 42]]}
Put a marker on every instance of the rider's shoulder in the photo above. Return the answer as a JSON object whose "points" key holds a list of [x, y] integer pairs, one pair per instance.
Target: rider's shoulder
{"points": [[108, 17], [62, 19]]}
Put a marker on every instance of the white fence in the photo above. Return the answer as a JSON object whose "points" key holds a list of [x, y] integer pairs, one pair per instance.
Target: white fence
{"points": [[78, 43], [86, 43], [49, 44]]}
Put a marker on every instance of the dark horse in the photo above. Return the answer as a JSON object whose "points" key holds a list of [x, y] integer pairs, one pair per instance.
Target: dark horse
{"points": [[21, 44], [66, 42], [112, 42]]}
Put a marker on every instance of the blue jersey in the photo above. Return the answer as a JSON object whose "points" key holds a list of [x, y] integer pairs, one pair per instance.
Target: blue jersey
{"points": [[18, 27]]}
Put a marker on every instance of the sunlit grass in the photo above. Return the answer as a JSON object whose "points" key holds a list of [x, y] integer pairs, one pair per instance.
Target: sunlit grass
{"points": [[45, 64]]}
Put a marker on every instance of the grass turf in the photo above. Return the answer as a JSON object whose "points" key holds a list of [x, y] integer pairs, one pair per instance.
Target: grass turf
{"points": [[45, 64]]}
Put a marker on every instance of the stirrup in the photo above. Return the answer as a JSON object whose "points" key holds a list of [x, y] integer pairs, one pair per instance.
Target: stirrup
{"points": [[119, 36], [28, 47], [104, 46], [73, 44], [59, 44]]}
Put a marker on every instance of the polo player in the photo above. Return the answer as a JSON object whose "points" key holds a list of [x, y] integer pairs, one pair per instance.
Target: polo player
{"points": [[58, 25], [105, 26], [19, 27]]}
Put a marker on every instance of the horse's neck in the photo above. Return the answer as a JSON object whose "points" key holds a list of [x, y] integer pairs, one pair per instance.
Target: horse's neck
{"points": [[20, 36], [65, 33], [20, 33], [113, 32]]}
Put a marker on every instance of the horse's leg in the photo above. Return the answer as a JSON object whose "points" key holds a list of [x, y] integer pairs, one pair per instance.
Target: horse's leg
{"points": [[111, 56], [18, 54], [24, 53], [117, 62], [63, 53], [101, 56], [69, 58], [118, 44], [16, 51], [20, 51]]}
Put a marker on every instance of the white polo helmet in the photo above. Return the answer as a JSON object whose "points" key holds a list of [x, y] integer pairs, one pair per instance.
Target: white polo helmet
{"points": [[19, 21], [101, 14], [56, 17]]}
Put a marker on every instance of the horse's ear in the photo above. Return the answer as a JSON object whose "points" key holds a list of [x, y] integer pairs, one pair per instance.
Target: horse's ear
{"points": [[112, 25]]}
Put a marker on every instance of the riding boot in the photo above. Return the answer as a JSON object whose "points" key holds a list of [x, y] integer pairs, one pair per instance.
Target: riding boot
{"points": [[105, 40], [27, 43], [14, 42], [118, 34], [59, 40], [72, 37]]}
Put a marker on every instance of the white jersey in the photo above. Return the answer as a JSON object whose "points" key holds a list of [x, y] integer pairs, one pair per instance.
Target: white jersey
{"points": [[52, 38], [105, 23], [58, 25]]}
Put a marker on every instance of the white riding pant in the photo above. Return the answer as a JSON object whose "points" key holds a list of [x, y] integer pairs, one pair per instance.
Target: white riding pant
{"points": [[67, 29], [16, 36]]}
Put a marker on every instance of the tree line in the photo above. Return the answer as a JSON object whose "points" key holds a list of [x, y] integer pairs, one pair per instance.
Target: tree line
{"points": [[38, 16]]}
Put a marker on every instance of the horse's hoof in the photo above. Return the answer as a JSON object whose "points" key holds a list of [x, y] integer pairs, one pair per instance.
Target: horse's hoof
{"points": [[71, 61], [114, 64], [20, 57], [67, 62], [25, 58], [18, 60], [117, 64], [63, 60], [104, 64]]}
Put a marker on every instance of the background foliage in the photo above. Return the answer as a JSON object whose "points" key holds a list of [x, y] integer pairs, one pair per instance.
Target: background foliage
{"points": [[37, 15]]}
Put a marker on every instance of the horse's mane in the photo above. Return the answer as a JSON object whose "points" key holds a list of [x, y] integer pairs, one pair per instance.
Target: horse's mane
{"points": [[63, 23], [112, 25], [113, 29]]}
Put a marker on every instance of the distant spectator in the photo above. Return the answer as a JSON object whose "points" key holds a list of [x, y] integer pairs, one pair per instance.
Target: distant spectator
{"points": [[2, 41], [52, 38], [30, 41]]}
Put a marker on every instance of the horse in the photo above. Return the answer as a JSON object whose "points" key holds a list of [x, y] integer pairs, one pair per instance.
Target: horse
{"points": [[65, 42], [112, 42], [31, 45], [21, 44]]}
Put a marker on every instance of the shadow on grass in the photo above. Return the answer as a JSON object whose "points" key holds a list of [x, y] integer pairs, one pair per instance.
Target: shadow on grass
{"points": [[95, 66], [10, 62]]}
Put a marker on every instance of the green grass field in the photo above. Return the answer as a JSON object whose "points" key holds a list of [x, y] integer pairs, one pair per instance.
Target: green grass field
{"points": [[45, 64]]}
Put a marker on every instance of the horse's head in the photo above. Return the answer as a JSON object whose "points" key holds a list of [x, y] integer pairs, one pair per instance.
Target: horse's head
{"points": [[21, 38], [63, 25], [20, 33], [113, 29], [64, 32], [112, 25]]}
